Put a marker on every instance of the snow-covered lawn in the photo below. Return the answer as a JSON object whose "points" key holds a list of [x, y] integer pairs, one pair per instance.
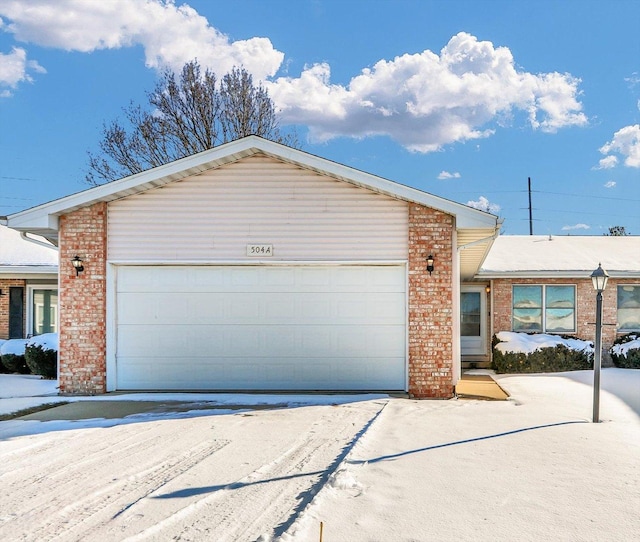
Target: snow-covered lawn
{"points": [[369, 468]]}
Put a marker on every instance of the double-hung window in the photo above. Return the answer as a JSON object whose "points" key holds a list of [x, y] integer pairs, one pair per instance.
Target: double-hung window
{"points": [[629, 307], [544, 308]]}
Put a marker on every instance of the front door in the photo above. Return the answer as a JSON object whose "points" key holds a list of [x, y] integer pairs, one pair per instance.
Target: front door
{"points": [[473, 321]]}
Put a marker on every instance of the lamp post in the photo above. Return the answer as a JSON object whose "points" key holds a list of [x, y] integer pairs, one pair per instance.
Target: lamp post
{"points": [[599, 278]]}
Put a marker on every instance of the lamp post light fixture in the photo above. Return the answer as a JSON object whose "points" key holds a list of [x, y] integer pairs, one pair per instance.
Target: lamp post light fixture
{"points": [[430, 267], [77, 264], [599, 278]]}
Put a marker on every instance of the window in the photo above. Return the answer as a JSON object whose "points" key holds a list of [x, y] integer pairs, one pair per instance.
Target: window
{"points": [[44, 311], [470, 314], [544, 308], [629, 308]]}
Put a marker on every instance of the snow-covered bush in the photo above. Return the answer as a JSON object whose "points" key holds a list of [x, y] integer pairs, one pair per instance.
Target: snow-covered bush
{"points": [[539, 353], [41, 355], [12, 356], [625, 351]]}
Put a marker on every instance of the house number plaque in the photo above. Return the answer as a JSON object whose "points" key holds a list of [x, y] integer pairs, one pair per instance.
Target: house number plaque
{"points": [[259, 250]]}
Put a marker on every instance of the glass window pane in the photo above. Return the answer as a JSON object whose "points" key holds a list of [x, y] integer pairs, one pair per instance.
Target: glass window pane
{"points": [[559, 297], [526, 297], [470, 314], [629, 308], [45, 311], [558, 320], [527, 319]]}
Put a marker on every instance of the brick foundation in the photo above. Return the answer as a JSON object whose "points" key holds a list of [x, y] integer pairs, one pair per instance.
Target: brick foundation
{"points": [[82, 298], [430, 304]]}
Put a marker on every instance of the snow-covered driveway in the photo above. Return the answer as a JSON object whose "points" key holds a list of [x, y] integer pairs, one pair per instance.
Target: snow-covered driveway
{"points": [[231, 477], [369, 468]]}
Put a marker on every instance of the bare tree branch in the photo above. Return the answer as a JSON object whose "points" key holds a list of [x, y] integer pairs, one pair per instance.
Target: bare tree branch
{"points": [[186, 115]]}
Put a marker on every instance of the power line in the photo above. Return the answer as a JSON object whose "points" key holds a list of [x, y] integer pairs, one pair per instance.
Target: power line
{"points": [[584, 196], [20, 179]]}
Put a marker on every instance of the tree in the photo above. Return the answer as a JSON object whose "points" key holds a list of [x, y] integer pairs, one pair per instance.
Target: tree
{"points": [[186, 116], [617, 231]]}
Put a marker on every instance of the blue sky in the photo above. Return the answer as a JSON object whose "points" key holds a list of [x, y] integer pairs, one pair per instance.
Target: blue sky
{"points": [[462, 99]]}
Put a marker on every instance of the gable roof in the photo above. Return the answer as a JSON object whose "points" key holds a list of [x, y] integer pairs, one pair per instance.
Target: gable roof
{"points": [[21, 256], [478, 227], [563, 256]]}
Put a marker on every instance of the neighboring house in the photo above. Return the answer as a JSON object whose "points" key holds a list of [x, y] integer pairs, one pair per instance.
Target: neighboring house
{"points": [[542, 284], [254, 266], [28, 286]]}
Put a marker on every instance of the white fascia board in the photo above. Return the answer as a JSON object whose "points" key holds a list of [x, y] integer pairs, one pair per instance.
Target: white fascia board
{"points": [[24, 221], [45, 216], [19, 271], [577, 274]]}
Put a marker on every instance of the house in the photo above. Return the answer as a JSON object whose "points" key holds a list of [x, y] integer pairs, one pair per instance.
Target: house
{"points": [[542, 284], [254, 266], [28, 285]]}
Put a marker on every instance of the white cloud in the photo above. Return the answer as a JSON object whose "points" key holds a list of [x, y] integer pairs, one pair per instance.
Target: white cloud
{"points": [[171, 35], [610, 184], [483, 204], [14, 69], [576, 227], [426, 100], [446, 175], [607, 162], [423, 100], [626, 142], [633, 80]]}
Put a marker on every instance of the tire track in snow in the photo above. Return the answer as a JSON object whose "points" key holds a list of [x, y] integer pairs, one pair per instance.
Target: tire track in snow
{"points": [[277, 491], [69, 523], [57, 475]]}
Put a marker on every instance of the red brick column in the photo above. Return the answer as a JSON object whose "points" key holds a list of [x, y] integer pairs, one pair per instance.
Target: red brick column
{"points": [[430, 303], [82, 355]]}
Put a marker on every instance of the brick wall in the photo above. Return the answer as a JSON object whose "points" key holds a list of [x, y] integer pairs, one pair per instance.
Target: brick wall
{"points": [[83, 301], [5, 284], [585, 306], [430, 303]]}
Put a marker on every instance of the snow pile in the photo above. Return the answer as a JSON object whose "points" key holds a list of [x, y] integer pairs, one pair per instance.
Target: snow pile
{"points": [[344, 479], [13, 346], [526, 344], [47, 341], [623, 349]]}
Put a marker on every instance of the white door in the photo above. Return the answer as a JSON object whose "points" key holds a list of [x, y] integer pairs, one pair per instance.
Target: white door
{"points": [[261, 327], [473, 321]]}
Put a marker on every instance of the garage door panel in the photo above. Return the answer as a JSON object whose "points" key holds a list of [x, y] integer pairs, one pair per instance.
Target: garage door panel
{"points": [[261, 374], [261, 327]]}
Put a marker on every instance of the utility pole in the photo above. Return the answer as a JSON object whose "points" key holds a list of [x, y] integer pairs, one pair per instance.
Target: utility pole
{"points": [[530, 209]]}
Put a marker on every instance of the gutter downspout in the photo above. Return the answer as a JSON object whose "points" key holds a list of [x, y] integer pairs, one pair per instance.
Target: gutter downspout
{"points": [[24, 236]]}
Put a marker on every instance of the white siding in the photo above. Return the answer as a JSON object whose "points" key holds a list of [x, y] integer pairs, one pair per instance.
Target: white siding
{"points": [[258, 200]]}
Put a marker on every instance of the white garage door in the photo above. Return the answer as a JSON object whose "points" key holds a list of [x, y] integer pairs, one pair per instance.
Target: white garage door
{"points": [[261, 327]]}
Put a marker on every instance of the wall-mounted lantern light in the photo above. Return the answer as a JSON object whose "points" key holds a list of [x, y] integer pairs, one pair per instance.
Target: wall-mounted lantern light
{"points": [[77, 264], [430, 267], [599, 278], [487, 289], [1, 294]]}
